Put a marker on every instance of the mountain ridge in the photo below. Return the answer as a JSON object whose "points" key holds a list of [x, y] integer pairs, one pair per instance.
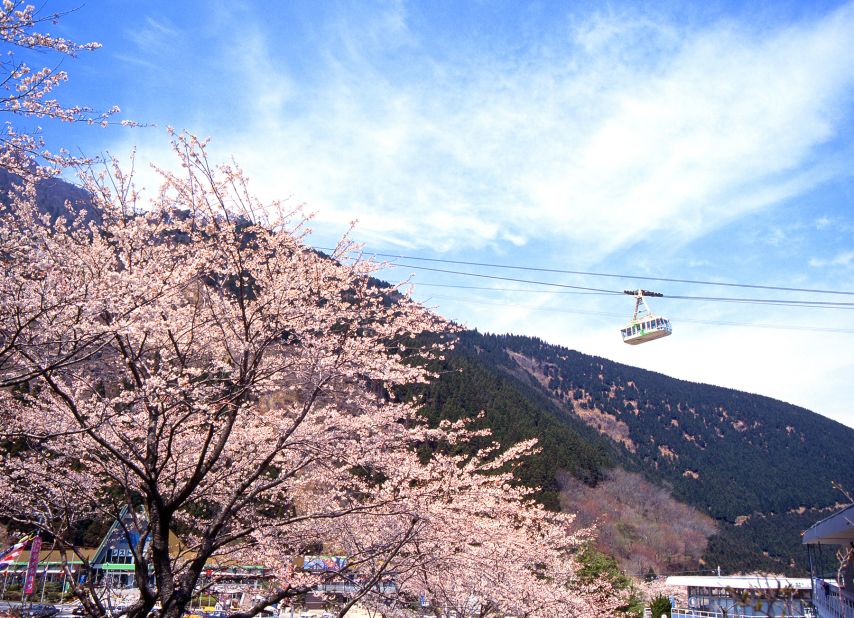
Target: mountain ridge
{"points": [[760, 468]]}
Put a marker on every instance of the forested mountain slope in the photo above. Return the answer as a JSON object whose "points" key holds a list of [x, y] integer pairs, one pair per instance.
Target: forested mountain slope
{"points": [[621, 445], [763, 469]]}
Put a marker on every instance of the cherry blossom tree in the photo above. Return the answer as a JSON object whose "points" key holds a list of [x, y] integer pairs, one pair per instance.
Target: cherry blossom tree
{"points": [[486, 550], [27, 92], [191, 362]]}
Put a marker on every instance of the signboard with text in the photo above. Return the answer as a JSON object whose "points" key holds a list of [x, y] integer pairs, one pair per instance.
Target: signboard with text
{"points": [[32, 565]]}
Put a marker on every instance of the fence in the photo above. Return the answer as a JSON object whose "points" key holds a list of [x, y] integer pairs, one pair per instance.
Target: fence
{"points": [[678, 612], [831, 601]]}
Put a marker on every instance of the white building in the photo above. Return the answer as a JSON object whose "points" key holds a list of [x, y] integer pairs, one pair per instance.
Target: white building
{"points": [[823, 540], [743, 596]]}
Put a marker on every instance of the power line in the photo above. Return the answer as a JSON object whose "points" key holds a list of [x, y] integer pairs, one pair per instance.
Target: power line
{"points": [[599, 274]]}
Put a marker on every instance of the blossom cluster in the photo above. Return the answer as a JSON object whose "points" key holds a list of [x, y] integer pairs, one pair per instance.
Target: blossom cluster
{"points": [[192, 357]]}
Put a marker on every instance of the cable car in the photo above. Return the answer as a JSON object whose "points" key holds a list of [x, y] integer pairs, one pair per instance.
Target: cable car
{"points": [[644, 325]]}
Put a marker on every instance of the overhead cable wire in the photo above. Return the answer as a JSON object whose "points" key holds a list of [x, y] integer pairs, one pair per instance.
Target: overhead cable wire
{"points": [[765, 302], [514, 279], [819, 329], [779, 302], [600, 274], [422, 284]]}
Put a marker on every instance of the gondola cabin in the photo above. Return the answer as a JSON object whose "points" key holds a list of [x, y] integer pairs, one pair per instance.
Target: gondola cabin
{"points": [[647, 330], [644, 326]]}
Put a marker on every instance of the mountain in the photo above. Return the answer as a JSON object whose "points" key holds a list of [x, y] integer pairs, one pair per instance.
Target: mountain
{"points": [[54, 196], [679, 475]]}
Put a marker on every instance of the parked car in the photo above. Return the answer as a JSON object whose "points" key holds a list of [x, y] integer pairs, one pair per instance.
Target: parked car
{"points": [[35, 611]]}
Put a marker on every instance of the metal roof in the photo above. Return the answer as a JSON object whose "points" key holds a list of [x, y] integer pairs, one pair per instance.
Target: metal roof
{"points": [[838, 529], [55, 557], [741, 582]]}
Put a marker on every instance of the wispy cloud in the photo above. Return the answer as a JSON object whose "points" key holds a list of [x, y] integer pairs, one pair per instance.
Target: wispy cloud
{"points": [[597, 140], [155, 35], [577, 137], [844, 259]]}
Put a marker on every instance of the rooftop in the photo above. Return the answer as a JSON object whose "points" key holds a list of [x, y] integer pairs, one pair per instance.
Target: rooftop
{"points": [[741, 582], [837, 529]]}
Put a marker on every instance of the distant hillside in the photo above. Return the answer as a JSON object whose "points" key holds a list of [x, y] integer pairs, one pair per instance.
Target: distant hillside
{"points": [[761, 468], [51, 195], [677, 475]]}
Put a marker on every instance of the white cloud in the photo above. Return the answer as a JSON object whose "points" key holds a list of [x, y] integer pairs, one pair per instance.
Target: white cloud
{"points": [[596, 141], [598, 150], [154, 35], [703, 348], [628, 129], [844, 259]]}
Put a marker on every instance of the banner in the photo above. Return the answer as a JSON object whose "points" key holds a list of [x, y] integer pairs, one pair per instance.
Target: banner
{"points": [[9, 556], [30, 580]]}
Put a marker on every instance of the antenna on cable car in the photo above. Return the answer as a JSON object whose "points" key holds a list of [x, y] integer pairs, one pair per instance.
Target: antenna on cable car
{"points": [[644, 325]]}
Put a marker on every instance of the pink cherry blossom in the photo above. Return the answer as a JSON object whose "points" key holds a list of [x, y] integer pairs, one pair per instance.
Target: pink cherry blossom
{"points": [[192, 357]]}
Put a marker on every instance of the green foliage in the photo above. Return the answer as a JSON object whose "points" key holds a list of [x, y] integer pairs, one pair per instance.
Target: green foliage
{"points": [[52, 593], [767, 543], [598, 566], [660, 606], [633, 608], [473, 380], [751, 454]]}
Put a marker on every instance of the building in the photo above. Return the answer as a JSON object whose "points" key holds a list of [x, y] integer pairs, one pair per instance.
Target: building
{"points": [[743, 596], [227, 584], [824, 539], [50, 574]]}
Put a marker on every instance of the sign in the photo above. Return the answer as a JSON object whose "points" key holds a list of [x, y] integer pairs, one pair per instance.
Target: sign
{"points": [[324, 563], [32, 565]]}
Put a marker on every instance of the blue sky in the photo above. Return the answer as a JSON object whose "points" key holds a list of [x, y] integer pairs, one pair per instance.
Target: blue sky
{"points": [[671, 140]]}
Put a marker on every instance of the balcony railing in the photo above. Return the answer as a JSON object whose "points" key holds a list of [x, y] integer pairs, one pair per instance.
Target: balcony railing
{"points": [[831, 601], [733, 613], [677, 612]]}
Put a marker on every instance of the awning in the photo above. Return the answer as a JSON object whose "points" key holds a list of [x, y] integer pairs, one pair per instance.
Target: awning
{"points": [[838, 529], [109, 566]]}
